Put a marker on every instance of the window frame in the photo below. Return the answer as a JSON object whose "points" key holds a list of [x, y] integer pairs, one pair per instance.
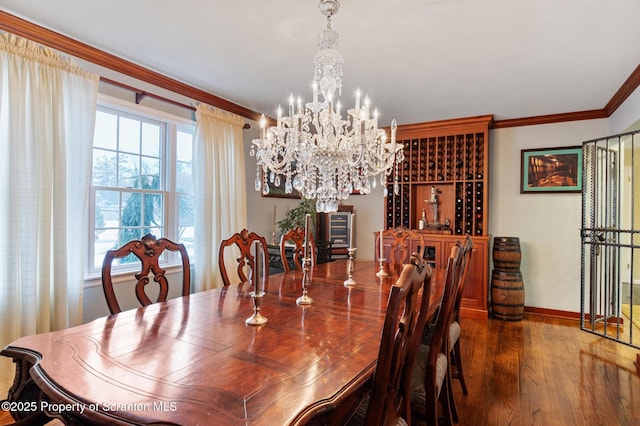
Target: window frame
{"points": [[171, 125]]}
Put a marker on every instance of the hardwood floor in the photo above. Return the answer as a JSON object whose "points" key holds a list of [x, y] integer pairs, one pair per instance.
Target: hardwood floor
{"points": [[544, 371]]}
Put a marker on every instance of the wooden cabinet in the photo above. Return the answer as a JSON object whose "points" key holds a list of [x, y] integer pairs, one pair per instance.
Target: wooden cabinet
{"points": [[437, 249], [475, 294], [450, 158], [447, 158]]}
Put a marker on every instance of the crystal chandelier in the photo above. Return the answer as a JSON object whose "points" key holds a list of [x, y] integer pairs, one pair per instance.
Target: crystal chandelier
{"points": [[318, 152]]}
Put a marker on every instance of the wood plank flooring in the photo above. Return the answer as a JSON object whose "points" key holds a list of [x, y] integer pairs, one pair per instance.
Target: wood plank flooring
{"points": [[542, 371]]}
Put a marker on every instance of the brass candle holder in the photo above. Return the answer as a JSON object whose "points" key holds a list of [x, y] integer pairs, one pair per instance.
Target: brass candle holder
{"points": [[257, 318], [350, 282], [305, 299], [382, 272]]}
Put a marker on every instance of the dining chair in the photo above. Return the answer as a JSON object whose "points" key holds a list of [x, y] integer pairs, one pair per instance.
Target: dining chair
{"points": [[389, 400], [454, 331], [148, 250], [431, 378], [400, 250], [245, 242], [296, 235]]}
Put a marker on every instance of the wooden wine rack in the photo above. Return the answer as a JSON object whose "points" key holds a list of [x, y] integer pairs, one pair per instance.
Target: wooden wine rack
{"points": [[452, 156]]}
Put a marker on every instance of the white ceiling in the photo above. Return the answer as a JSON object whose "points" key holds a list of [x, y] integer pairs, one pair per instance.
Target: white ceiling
{"points": [[418, 60]]}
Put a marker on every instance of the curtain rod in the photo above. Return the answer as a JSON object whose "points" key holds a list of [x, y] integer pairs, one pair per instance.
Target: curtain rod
{"points": [[141, 94]]}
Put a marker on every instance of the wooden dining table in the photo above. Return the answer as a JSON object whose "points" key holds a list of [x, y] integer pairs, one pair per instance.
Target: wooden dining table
{"points": [[193, 360]]}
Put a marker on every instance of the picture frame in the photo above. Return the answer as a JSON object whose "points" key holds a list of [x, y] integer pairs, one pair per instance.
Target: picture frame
{"points": [[551, 170], [278, 191]]}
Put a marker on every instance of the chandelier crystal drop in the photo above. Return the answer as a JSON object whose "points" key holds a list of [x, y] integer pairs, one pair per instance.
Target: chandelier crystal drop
{"points": [[316, 150]]}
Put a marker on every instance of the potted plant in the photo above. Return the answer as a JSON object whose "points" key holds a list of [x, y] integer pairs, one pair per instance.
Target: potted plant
{"points": [[295, 218]]}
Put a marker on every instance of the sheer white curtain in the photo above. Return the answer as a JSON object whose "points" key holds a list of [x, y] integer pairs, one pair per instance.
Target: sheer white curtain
{"points": [[220, 188], [47, 114]]}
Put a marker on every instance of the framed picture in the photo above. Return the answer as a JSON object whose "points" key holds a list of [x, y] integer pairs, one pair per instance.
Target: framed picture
{"points": [[278, 191], [551, 170]]}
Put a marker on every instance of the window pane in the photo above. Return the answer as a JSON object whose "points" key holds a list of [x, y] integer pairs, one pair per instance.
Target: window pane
{"points": [[151, 139], [184, 178], [186, 226], [129, 135], [185, 211], [128, 171], [107, 209], [153, 210], [104, 168], [104, 135], [150, 173], [185, 146], [131, 209]]}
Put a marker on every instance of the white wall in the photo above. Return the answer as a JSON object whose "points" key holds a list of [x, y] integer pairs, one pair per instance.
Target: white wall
{"points": [[627, 117], [548, 225]]}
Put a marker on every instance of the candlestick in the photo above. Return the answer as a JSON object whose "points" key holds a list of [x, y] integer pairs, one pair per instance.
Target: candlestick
{"points": [[306, 234], [350, 282], [258, 290], [305, 299], [256, 267], [381, 254], [353, 216], [381, 272], [273, 226]]}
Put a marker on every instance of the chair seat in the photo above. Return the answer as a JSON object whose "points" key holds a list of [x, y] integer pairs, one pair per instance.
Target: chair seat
{"points": [[418, 392], [358, 418], [454, 332]]}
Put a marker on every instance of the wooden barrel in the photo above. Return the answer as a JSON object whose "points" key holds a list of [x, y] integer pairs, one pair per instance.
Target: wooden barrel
{"points": [[507, 295], [506, 253]]}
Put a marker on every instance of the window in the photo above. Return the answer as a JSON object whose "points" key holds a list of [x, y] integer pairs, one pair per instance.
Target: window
{"points": [[142, 180]]}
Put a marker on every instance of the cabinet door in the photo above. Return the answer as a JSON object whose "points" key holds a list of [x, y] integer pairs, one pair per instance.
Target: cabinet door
{"points": [[432, 251], [474, 295]]}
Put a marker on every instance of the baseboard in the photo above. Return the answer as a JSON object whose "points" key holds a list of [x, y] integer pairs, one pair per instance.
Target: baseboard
{"points": [[474, 313], [554, 313]]}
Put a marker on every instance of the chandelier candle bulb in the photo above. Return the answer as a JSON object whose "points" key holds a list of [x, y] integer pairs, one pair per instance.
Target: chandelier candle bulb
{"points": [[263, 124], [315, 92], [394, 126], [279, 112], [357, 99], [291, 106]]}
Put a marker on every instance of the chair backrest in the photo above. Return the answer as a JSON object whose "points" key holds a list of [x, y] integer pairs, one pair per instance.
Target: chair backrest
{"points": [[465, 254], [244, 240], [390, 395], [400, 251], [297, 236], [148, 249], [440, 334]]}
